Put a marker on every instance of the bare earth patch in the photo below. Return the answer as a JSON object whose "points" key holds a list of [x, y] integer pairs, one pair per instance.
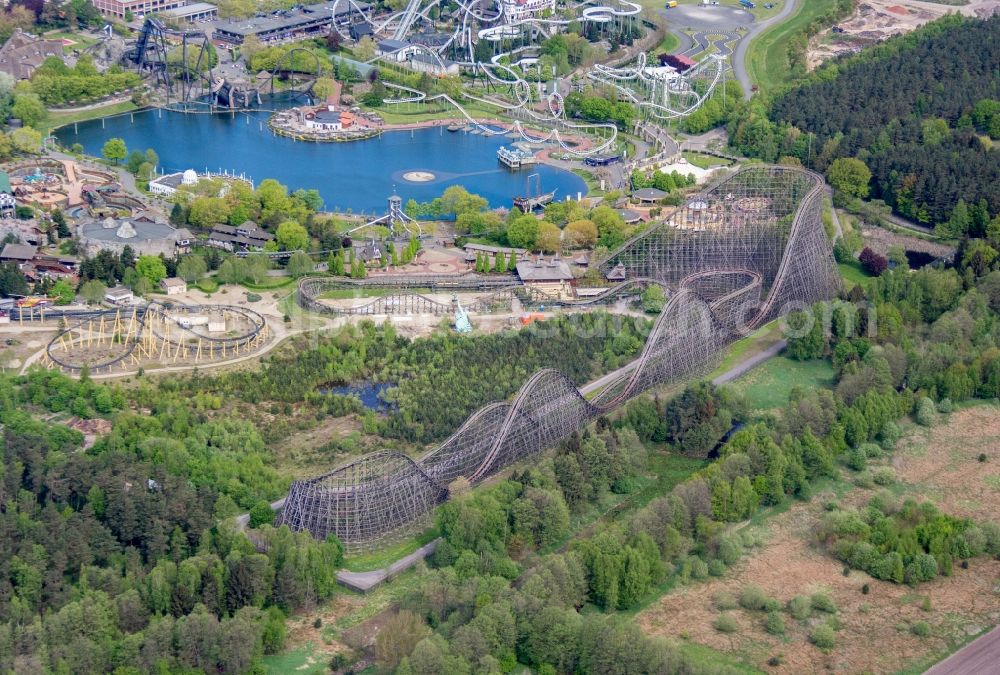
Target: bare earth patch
{"points": [[302, 628], [874, 633], [944, 461]]}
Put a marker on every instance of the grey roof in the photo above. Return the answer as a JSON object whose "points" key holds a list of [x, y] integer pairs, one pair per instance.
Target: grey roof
{"points": [[289, 20], [617, 273], [392, 45], [18, 252], [173, 282], [553, 269], [649, 193], [118, 292], [629, 216], [144, 231], [190, 9]]}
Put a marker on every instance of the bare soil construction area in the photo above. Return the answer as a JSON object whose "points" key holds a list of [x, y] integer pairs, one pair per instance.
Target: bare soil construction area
{"points": [[874, 632], [877, 20]]}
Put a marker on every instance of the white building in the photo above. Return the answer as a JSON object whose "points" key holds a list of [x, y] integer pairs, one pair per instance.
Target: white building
{"points": [[325, 120], [396, 50], [518, 10], [173, 286], [168, 184], [119, 295]]}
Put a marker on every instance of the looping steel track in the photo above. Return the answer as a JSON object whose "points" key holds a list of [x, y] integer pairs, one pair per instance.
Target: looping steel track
{"points": [[744, 252]]}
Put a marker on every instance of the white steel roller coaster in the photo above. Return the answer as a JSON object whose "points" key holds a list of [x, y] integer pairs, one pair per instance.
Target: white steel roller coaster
{"points": [[662, 92]]}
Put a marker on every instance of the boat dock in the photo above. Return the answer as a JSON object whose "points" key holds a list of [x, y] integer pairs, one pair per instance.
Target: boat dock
{"points": [[515, 158]]}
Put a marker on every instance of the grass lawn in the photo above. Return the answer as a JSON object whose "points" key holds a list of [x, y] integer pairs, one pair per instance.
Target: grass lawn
{"points": [[54, 118], [408, 113], [669, 44], [752, 344], [269, 283], [347, 293], [301, 660], [768, 385], [767, 58], [364, 562], [703, 161], [853, 274]]}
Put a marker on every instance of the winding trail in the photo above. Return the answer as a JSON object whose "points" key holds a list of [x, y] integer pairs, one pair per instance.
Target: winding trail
{"points": [[740, 59]]}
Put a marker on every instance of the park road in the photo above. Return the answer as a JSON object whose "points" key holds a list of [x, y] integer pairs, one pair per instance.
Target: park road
{"points": [[740, 59], [979, 657]]}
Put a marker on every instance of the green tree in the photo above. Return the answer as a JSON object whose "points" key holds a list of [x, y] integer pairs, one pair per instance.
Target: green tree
{"points": [[548, 238], [27, 140], [261, 514], [191, 268], [208, 211], [151, 268], [135, 160], [292, 237], [849, 176], [92, 291], [610, 227], [63, 292], [523, 231], [28, 108], [300, 264], [653, 299], [114, 150]]}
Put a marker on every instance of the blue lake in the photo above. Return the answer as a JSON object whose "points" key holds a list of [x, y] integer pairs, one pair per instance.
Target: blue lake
{"points": [[357, 175]]}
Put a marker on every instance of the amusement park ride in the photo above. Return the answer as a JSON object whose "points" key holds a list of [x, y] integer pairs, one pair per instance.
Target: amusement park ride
{"points": [[185, 72], [743, 253]]}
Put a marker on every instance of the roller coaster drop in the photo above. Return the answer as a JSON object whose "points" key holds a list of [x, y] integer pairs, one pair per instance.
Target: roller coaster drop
{"points": [[745, 252]]}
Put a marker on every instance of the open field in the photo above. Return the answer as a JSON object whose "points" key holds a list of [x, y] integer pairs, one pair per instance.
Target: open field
{"points": [[767, 58], [768, 385], [54, 118], [853, 274], [874, 630]]}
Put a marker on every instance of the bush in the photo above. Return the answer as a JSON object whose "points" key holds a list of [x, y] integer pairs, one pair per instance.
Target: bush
{"points": [[725, 623], [724, 600], [823, 603], [774, 624], [800, 607], [754, 598], [945, 406], [921, 629], [885, 475], [699, 568], [926, 413], [716, 567], [871, 450], [857, 459], [864, 480], [866, 589], [823, 637], [982, 458], [889, 435], [253, 297]]}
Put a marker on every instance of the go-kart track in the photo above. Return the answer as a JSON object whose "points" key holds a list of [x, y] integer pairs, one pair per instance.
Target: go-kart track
{"points": [[744, 252]]}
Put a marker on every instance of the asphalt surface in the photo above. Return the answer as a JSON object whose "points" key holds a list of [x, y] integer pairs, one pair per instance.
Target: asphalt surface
{"points": [[740, 59], [979, 657]]}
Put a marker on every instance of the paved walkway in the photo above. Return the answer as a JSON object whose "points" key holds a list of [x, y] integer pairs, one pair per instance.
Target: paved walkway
{"points": [[366, 581], [979, 657]]}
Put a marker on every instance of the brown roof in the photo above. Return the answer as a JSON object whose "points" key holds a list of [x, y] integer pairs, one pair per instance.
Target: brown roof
{"points": [[24, 52], [540, 269], [20, 252]]}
